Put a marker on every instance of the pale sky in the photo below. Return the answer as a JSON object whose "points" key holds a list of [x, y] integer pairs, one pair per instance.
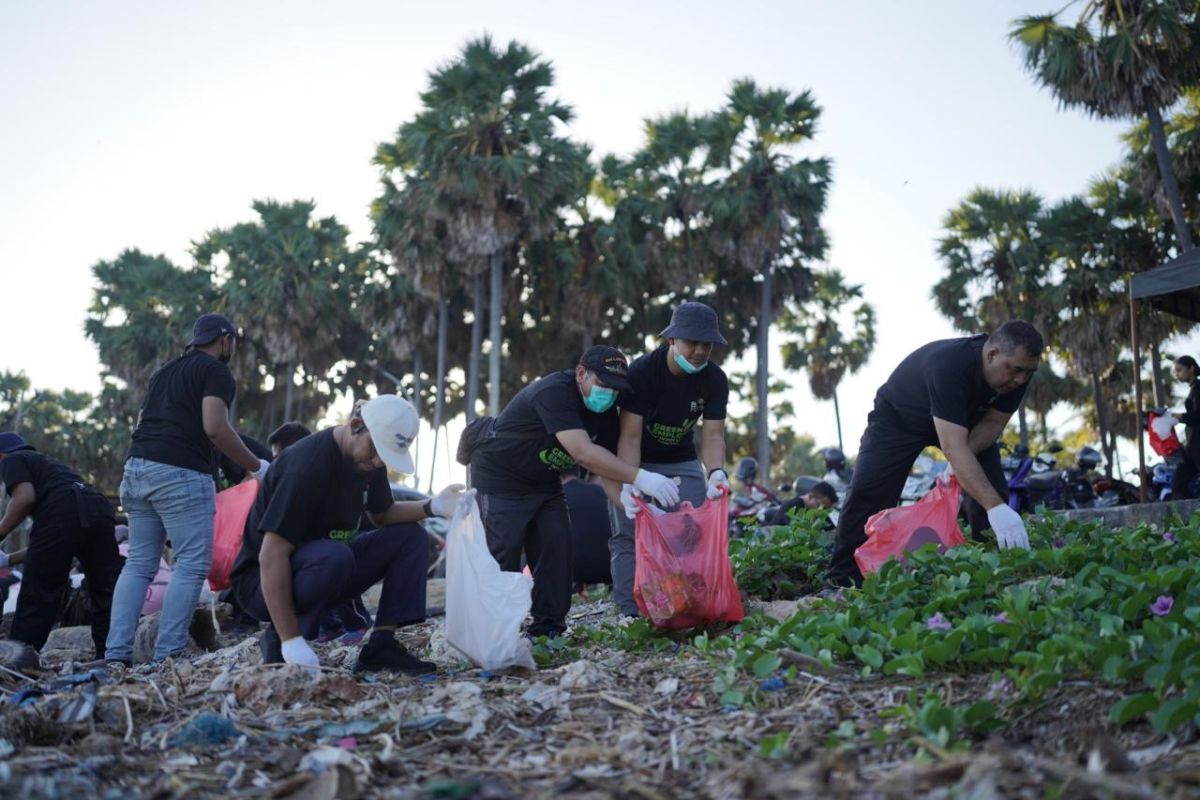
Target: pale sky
{"points": [[145, 124]]}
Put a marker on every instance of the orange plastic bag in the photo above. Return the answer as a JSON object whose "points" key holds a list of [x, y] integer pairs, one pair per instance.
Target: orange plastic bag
{"points": [[894, 531], [233, 507], [683, 577]]}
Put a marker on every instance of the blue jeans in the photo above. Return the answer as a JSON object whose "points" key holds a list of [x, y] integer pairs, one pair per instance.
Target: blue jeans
{"points": [[163, 502]]}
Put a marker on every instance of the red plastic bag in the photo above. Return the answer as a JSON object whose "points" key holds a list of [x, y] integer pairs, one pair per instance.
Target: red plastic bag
{"points": [[1163, 445], [233, 507], [683, 576], [894, 531]]}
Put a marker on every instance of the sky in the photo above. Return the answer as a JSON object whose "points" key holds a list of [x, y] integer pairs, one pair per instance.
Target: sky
{"points": [[146, 124]]}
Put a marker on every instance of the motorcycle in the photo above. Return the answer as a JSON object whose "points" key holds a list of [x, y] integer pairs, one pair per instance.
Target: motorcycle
{"points": [[750, 499], [921, 478], [837, 473], [1032, 480]]}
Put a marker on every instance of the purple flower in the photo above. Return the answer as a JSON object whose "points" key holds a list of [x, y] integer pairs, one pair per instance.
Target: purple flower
{"points": [[938, 623], [839, 596], [1000, 689], [1163, 605], [1058, 543], [1169, 537], [1000, 618]]}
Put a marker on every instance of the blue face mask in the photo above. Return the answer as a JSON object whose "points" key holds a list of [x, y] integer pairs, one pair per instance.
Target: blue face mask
{"points": [[600, 399], [687, 366]]}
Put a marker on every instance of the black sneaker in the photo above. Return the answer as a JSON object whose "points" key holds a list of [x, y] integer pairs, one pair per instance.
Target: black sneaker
{"points": [[270, 646], [392, 657]]}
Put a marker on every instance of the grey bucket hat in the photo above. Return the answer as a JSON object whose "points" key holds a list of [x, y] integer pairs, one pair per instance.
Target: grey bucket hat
{"points": [[694, 321]]}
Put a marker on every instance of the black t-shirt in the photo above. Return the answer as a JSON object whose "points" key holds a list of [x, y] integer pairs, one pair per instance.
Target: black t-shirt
{"points": [[521, 462], [671, 405], [588, 506], [311, 492], [55, 485], [943, 379], [171, 429]]}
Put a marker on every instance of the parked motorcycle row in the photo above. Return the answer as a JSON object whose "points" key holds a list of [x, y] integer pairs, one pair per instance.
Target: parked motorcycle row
{"points": [[1034, 481]]}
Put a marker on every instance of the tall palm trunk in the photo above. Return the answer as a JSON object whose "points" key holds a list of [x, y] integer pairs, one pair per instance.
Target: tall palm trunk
{"points": [[495, 334], [476, 346], [1160, 386], [1022, 425], [418, 404], [289, 372], [763, 383], [1170, 184], [439, 406], [1101, 417], [837, 416]]}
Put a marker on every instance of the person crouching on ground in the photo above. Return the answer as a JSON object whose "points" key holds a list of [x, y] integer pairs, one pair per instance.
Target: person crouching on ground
{"points": [[290, 568]]}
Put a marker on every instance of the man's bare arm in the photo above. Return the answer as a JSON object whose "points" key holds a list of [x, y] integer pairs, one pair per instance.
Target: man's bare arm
{"points": [[953, 440]]}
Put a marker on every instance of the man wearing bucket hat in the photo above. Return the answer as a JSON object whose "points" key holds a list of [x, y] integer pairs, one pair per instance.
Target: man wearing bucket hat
{"points": [[673, 390], [291, 568], [71, 520], [560, 420], [167, 488]]}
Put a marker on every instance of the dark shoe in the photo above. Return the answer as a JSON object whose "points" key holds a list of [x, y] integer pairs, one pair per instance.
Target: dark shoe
{"points": [[392, 657], [550, 632], [270, 646], [326, 635], [118, 663]]}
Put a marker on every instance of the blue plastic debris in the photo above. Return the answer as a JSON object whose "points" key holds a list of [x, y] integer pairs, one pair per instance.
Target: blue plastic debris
{"points": [[773, 684], [25, 697], [207, 728]]}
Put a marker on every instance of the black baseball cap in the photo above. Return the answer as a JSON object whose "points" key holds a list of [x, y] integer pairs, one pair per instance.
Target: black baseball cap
{"points": [[210, 327], [609, 364]]}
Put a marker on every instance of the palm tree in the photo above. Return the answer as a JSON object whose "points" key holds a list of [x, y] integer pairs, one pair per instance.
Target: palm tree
{"points": [[766, 208], [995, 265], [827, 349], [487, 141], [293, 275], [1121, 59]]}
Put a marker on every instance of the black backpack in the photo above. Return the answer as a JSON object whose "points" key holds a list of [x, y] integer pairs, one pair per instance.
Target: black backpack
{"points": [[480, 430]]}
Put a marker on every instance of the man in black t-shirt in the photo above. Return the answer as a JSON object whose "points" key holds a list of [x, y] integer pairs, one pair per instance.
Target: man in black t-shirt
{"points": [[558, 421], [673, 390], [957, 394], [167, 488], [291, 568], [70, 520]]}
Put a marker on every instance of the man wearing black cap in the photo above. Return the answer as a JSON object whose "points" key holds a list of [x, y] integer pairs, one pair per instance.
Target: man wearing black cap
{"points": [[70, 520], [167, 489], [558, 421], [673, 390]]}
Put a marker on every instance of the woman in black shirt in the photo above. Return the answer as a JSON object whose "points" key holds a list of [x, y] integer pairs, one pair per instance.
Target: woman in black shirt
{"points": [[1187, 371]]}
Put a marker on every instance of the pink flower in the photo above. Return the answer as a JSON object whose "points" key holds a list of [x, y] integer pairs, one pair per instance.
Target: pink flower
{"points": [[839, 596], [938, 623], [1163, 605], [1000, 618], [1000, 690], [1169, 537]]}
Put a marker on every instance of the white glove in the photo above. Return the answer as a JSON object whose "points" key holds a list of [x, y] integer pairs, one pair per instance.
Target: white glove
{"points": [[263, 466], [660, 487], [297, 651], [627, 495], [1010, 530], [443, 502], [718, 482], [1163, 425]]}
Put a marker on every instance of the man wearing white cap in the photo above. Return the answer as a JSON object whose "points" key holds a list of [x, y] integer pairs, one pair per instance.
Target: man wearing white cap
{"points": [[290, 569]]}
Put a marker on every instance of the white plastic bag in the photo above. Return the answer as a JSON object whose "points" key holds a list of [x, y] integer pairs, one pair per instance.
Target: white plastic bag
{"points": [[1164, 425], [484, 606]]}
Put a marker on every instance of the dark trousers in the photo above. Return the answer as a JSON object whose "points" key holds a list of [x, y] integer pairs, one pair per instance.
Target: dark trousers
{"points": [[53, 545], [885, 457], [1185, 472], [538, 526], [326, 574]]}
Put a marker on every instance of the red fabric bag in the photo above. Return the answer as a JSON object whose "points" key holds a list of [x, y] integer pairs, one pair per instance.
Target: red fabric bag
{"points": [[683, 576], [1163, 445], [233, 507], [894, 531]]}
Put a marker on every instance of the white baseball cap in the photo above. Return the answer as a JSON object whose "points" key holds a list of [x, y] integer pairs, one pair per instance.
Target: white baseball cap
{"points": [[393, 424]]}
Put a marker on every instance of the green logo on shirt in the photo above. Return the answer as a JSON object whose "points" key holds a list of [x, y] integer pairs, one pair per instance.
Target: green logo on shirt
{"points": [[342, 536], [670, 434], [556, 458]]}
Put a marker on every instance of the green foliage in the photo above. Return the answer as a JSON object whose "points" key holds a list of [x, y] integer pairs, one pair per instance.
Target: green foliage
{"points": [[783, 562]]}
